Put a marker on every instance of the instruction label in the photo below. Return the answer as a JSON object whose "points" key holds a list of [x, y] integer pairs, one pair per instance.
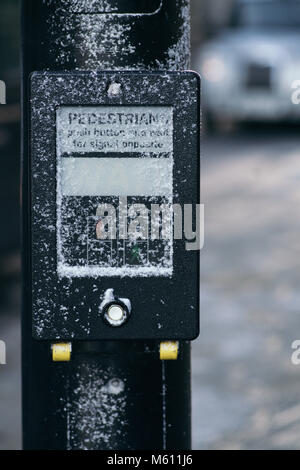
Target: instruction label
{"points": [[131, 129]]}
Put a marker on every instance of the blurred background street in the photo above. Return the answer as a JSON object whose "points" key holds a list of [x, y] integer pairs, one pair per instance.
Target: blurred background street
{"points": [[246, 392]]}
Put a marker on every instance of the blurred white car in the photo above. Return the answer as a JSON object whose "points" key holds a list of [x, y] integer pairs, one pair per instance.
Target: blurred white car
{"points": [[249, 69]]}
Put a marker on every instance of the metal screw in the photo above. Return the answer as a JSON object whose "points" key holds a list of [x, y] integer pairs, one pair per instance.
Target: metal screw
{"points": [[115, 386], [114, 89]]}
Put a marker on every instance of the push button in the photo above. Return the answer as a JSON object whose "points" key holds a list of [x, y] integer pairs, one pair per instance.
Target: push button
{"points": [[115, 311], [116, 315]]}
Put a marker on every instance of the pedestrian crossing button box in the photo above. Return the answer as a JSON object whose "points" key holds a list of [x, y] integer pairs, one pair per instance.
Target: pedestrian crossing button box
{"points": [[111, 176]]}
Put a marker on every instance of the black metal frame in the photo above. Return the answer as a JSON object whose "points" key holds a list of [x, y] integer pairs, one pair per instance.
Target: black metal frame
{"points": [[67, 309], [157, 396]]}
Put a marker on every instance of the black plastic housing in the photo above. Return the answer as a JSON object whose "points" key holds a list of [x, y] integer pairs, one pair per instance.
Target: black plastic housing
{"points": [[68, 308]]}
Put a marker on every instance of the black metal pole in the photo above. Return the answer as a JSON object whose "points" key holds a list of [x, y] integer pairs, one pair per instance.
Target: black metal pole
{"points": [[112, 395]]}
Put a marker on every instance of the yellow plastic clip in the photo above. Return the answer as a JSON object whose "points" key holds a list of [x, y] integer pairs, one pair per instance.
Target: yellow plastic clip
{"points": [[61, 352], [169, 350]]}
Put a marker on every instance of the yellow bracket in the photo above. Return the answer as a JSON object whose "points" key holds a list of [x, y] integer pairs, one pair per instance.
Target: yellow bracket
{"points": [[169, 350], [61, 352]]}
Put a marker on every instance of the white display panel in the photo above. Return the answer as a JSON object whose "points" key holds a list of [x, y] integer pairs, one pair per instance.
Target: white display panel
{"points": [[116, 177], [105, 153]]}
